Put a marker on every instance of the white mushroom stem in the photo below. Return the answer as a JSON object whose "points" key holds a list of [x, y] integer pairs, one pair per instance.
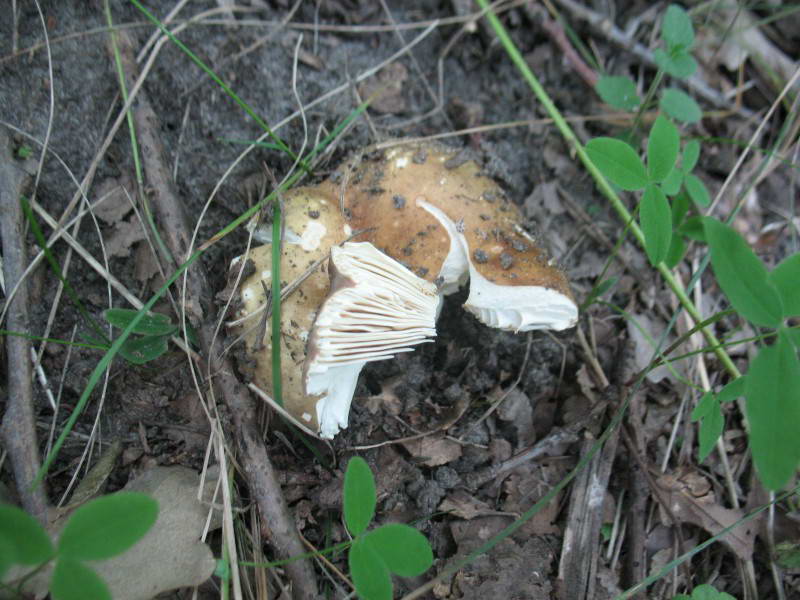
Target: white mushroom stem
{"points": [[376, 309], [514, 308]]}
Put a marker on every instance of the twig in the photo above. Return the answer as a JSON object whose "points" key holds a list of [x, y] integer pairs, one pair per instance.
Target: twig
{"points": [[258, 468], [18, 427]]}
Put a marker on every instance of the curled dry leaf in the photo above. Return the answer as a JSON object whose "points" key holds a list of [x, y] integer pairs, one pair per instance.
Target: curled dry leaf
{"points": [[705, 512]]}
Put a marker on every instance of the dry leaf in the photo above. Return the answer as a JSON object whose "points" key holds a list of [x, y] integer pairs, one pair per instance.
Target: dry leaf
{"points": [[114, 201], [640, 328], [171, 554], [703, 510], [125, 235], [464, 505], [516, 408], [433, 450], [388, 87]]}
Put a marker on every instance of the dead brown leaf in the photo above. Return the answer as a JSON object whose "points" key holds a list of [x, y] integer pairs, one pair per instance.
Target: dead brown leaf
{"points": [[124, 236], [692, 501], [433, 450], [387, 86]]}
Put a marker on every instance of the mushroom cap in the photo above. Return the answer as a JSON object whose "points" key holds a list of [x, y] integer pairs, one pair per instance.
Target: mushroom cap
{"points": [[376, 308], [313, 224], [437, 214]]}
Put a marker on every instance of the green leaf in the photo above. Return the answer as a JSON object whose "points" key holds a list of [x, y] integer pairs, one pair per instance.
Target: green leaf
{"points": [[680, 206], [693, 229], [704, 406], [710, 429], [734, 389], [787, 554], [696, 189], [599, 290], [359, 496], [709, 592], [369, 573], [676, 252], [676, 28], [772, 389], [618, 91], [143, 349], [742, 276], [28, 540], [7, 555], [672, 182], [150, 324], [793, 333], [656, 218], [403, 549], [680, 106], [663, 146], [786, 278], [107, 526], [691, 152], [618, 161], [678, 64], [72, 580]]}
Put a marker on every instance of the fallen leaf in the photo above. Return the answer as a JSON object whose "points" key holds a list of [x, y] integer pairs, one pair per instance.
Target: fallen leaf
{"points": [[114, 199], [170, 555], [433, 450], [464, 505], [516, 409], [124, 236], [704, 511], [387, 88]]}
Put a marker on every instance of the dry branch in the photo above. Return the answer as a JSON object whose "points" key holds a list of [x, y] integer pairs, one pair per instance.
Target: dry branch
{"points": [[261, 475], [18, 427]]}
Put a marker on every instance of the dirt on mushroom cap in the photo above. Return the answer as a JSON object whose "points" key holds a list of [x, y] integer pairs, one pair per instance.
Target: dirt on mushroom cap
{"points": [[381, 192]]}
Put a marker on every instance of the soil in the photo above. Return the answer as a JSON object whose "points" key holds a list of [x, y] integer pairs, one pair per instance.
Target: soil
{"points": [[154, 410]]}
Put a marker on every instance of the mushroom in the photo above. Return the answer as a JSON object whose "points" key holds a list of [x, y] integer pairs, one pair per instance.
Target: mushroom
{"points": [[312, 224], [375, 309], [432, 209], [429, 220]]}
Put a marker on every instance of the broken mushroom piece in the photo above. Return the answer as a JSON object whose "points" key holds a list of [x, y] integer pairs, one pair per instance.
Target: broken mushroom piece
{"points": [[312, 224], [376, 308], [431, 208]]}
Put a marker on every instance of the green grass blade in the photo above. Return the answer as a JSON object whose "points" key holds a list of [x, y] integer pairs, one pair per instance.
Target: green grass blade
{"points": [[277, 392], [225, 87], [56, 268], [103, 364]]}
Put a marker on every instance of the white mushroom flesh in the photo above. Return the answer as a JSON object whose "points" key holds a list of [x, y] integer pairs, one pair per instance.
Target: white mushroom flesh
{"points": [[514, 308], [377, 309]]}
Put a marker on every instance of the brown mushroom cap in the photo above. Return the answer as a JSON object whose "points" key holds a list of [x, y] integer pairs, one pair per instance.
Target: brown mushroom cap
{"points": [[420, 198], [313, 224]]}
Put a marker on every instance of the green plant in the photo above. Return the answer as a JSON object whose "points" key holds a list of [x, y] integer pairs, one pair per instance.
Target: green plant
{"points": [[673, 58], [704, 592], [100, 529], [764, 298], [374, 555], [154, 330]]}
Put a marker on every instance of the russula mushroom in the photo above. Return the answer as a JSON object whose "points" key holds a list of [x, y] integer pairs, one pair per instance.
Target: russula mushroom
{"points": [[428, 207], [313, 224], [375, 309], [428, 220]]}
